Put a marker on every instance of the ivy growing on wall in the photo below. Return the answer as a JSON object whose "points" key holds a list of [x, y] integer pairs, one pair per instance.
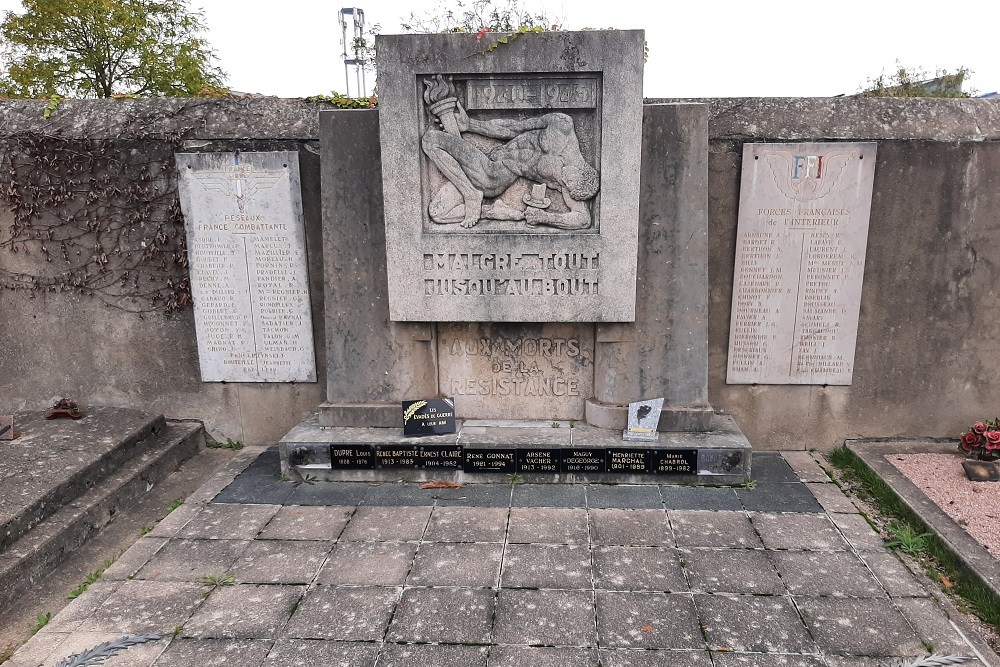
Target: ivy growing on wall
{"points": [[100, 218]]}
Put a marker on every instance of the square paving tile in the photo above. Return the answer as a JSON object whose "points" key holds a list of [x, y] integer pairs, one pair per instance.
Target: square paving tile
{"points": [[228, 522], [764, 624], [141, 655], [328, 494], [447, 615], [647, 620], [858, 531], [622, 496], [638, 569], [713, 529], [396, 494], [767, 660], [346, 614], [467, 524], [858, 626], [832, 499], [549, 495], [799, 531], [894, 576], [932, 625], [280, 562], [548, 526], [368, 564], [80, 609], [654, 658], [143, 607], [549, 618], [255, 490], [475, 495], [547, 566], [770, 467], [192, 560], [214, 653], [837, 573], [740, 571], [408, 655], [630, 527], [130, 562], [805, 466], [320, 653], [386, 524], [699, 498], [176, 519], [456, 564], [244, 612], [307, 523], [779, 497], [529, 656]]}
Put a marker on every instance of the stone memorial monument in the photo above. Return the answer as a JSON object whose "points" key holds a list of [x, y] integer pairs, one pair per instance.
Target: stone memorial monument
{"points": [[493, 236], [802, 233], [246, 250]]}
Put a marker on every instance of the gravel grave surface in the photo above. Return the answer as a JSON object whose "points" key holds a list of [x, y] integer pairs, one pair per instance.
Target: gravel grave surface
{"points": [[975, 506]]}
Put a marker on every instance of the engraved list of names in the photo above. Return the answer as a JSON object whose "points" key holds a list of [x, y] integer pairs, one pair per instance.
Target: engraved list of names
{"points": [[800, 258], [249, 281]]}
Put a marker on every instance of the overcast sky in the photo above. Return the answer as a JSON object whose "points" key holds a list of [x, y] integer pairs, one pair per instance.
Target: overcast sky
{"points": [[291, 48]]}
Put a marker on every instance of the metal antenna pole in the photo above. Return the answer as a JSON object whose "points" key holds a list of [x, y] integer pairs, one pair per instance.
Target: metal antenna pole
{"points": [[355, 58]]}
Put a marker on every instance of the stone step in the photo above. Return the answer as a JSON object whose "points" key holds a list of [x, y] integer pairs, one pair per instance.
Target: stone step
{"points": [[539, 451], [151, 459], [54, 462]]}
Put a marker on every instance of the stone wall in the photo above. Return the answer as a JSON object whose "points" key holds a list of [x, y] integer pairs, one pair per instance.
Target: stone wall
{"points": [[927, 341]]}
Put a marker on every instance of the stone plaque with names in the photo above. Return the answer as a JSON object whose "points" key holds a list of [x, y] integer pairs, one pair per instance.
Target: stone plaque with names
{"points": [[675, 461], [247, 256], [440, 456], [352, 457], [514, 194], [397, 456], [634, 461], [490, 460], [538, 460], [800, 258], [585, 460]]}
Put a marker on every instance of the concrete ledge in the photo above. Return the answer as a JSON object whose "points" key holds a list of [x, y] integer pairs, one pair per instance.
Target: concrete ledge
{"points": [[972, 555], [686, 418], [360, 415]]}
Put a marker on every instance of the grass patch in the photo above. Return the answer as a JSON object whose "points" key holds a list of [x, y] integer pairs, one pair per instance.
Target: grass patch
{"points": [[213, 581], [174, 505], [93, 577], [235, 445], [937, 559], [41, 620]]}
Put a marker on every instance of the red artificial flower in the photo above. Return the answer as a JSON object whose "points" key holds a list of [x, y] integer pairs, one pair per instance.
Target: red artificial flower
{"points": [[482, 33], [979, 427], [969, 441], [993, 440]]}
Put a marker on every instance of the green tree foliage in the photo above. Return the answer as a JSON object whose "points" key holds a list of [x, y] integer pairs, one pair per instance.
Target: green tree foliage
{"points": [[917, 82], [106, 48]]}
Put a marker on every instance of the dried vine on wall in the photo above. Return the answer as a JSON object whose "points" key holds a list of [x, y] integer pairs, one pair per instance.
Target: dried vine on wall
{"points": [[97, 217]]}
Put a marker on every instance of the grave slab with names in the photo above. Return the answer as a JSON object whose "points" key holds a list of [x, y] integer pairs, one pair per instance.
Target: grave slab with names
{"points": [[800, 259], [247, 255]]}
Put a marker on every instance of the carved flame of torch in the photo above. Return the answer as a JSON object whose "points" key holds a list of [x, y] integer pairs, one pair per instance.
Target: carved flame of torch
{"points": [[440, 97]]}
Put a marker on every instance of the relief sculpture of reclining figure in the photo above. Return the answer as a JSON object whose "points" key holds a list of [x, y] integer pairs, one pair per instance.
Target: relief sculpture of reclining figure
{"points": [[542, 149]]}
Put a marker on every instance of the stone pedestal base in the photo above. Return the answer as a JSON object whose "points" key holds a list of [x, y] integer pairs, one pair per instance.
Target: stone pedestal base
{"points": [[539, 451]]}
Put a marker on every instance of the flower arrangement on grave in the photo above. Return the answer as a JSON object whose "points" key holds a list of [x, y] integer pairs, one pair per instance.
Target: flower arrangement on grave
{"points": [[65, 409], [982, 440]]}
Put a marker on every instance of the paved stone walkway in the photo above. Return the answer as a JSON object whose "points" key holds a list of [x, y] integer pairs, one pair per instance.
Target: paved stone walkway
{"points": [[787, 573]]}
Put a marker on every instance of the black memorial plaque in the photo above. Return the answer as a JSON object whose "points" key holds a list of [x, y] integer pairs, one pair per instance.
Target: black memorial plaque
{"points": [[433, 457], [586, 459], [675, 461], [431, 416], [538, 459], [352, 457], [309, 455], [629, 461], [490, 460], [396, 456]]}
